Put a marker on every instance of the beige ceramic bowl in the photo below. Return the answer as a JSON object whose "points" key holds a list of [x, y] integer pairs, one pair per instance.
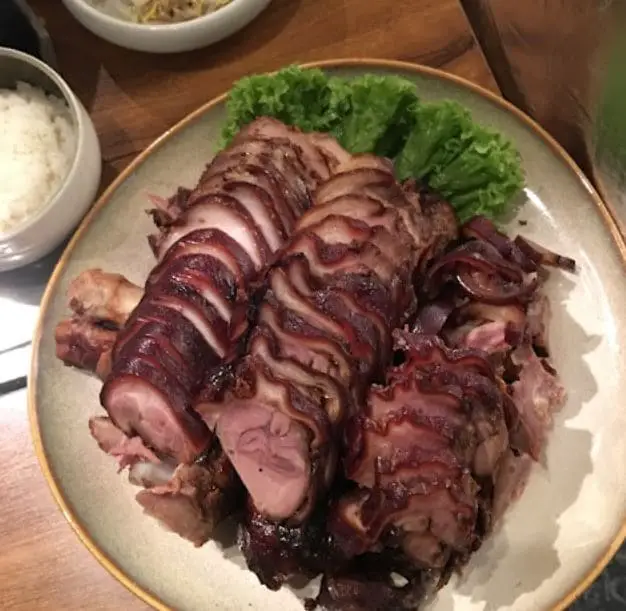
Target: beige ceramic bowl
{"points": [[42, 233], [167, 38]]}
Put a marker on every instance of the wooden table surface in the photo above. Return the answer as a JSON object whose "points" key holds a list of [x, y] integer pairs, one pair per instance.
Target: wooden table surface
{"points": [[132, 99]]}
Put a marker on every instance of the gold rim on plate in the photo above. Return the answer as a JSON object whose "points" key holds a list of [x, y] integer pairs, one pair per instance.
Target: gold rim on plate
{"points": [[142, 593]]}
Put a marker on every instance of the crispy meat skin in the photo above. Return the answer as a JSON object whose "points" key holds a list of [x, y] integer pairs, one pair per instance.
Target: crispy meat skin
{"points": [[213, 245]]}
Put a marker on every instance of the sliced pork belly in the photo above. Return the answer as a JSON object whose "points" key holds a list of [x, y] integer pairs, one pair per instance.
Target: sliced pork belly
{"points": [[214, 243], [343, 282]]}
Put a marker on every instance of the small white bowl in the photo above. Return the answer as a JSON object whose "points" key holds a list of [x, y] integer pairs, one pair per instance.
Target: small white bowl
{"points": [[168, 38], [43, 232]]}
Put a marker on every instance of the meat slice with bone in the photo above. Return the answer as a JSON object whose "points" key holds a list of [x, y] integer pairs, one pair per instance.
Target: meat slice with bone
{"points": [[342, 283], [101, 303]]}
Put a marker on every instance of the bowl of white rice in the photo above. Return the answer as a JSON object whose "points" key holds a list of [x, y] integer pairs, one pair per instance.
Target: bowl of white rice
{"points": [[50, 162]]}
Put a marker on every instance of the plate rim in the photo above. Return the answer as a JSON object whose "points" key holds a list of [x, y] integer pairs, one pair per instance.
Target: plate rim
{"points": [[607, 213]]}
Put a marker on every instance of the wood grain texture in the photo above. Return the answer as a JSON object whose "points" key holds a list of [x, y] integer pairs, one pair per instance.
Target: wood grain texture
{"points": [[133, 98], [545, 54], [559, 61], [43, 566]]}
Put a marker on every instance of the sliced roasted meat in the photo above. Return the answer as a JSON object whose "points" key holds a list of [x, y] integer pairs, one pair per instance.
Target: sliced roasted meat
{"points": [[420, 452], [214, 245], [314, 151], [269, 357], [144, 399], [323, 335], [246, 170]]}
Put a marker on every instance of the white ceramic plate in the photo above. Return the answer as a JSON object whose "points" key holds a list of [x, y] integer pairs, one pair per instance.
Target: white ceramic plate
{"points": [[572, 517]]}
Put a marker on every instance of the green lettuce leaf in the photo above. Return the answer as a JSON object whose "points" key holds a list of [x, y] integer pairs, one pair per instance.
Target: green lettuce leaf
{"points": [[295, 96], [484, 176], [439, 134], [380, 116], [438, 143], [476, 169]]}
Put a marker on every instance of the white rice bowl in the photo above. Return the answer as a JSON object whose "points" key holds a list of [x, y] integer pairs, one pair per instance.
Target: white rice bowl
{"points": [[37, 148]]}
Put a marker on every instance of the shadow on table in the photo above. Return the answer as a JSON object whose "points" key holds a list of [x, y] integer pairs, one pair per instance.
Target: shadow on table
{"points": [[527, 568]]}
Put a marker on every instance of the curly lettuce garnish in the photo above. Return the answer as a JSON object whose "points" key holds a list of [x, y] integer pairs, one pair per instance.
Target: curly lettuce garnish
{"points": [[476, 169], [438, 143]]}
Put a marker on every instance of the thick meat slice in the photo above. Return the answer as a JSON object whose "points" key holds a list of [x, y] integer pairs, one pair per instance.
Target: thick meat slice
{"points": [[364, 208], [208, 278], [264, 203], [210, 243], [276, 160], [214, 246], [305, 343], [185, 344], [257, 203], [268, 449], [311, 155], [363, 181], [223, 213], [143, 398], [308, 287], [179, 296]]}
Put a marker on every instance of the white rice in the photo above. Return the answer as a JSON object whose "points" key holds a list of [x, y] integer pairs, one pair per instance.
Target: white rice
{"points": [[37, 147]]}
